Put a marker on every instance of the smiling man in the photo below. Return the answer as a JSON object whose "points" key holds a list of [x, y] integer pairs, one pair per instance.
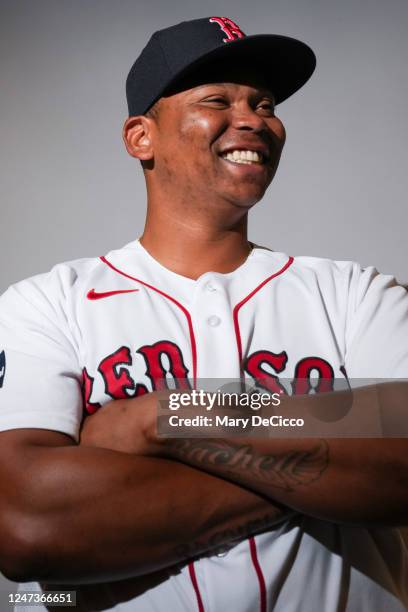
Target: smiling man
{"points": [[209, 148], [92, 497]]}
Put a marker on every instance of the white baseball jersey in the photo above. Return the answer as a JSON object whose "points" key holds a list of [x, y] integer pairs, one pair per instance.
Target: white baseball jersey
{"points": [[117, 326]]}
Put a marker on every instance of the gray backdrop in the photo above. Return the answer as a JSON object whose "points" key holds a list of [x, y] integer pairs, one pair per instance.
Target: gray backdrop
{"points": [[69, 190]]}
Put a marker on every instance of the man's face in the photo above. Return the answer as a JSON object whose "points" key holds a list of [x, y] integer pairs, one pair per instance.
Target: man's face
{"points": [[218, 141]]}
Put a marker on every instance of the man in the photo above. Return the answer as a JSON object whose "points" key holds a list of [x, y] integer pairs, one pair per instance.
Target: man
{"points": [[194, 299]]}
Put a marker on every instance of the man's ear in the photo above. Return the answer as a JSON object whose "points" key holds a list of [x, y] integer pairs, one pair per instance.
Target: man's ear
{"points": [[137, 137]]}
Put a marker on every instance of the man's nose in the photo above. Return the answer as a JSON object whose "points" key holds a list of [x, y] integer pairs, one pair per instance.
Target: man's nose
{"points": [[246, 118]]}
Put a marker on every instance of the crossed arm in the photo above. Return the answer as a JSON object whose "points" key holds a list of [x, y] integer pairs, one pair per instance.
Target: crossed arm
{"points": [[125, 503], [76, 514], [355, 481]]}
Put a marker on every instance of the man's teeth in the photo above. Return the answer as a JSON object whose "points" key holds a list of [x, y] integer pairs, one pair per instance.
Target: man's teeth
{"points": [[243, 157]]}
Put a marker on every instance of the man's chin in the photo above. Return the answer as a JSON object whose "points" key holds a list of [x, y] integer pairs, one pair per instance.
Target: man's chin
{"points": [[246, 198]]}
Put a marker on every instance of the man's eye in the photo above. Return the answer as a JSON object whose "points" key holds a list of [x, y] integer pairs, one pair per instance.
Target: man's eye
{"points": [[267, 106], [218, 100]]}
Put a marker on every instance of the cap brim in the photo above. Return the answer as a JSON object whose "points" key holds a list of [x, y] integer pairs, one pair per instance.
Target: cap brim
{"points": [[285, 63]]}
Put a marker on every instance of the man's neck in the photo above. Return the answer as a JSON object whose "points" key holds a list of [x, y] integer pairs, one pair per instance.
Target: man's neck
{"points": [[191, 250]]}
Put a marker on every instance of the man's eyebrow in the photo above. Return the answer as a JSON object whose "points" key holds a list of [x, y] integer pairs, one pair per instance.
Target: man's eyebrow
{"points": [[267, 93], [212, 84], [262, 91]]}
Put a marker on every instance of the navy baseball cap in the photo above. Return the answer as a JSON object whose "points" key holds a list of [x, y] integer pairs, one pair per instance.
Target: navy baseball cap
{"points": [[175, 52]]}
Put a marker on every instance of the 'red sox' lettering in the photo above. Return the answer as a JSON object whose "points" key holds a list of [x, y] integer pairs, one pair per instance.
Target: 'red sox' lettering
{"points": [[87, 386], [302, 383], [117, 379], [254, 367], [164, 360], [153, 356]]}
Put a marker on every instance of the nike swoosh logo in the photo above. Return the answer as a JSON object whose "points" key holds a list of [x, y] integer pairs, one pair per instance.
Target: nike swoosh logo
{"points": [[96, 295]]}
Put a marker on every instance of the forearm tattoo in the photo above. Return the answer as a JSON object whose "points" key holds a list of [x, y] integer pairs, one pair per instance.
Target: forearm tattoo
{"points": [[243, 464], [227, 537]]}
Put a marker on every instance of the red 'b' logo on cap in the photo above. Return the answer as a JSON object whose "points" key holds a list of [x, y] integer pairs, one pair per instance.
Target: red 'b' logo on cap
{"points": [[231, 29]]}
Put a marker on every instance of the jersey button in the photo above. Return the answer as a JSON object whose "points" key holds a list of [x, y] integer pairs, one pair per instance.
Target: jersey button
{"points": [[210, 287], [213, 321]]}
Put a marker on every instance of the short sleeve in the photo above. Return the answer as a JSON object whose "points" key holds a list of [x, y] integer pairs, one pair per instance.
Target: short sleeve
{"points": [[377, 326], [40, 376]]}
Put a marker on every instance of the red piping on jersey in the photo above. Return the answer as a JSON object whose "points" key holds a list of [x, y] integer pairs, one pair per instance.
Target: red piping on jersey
{"points": [[182, 308], [237, 307], [196, 587], [245, 300], [261, 579]]}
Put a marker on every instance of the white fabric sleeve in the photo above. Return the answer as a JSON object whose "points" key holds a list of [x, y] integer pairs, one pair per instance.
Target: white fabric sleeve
{"points": [[40, 375], [377, 326]]}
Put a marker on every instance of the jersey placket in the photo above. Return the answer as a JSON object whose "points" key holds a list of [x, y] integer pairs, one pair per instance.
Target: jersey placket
{"points": [[211, 308]]}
